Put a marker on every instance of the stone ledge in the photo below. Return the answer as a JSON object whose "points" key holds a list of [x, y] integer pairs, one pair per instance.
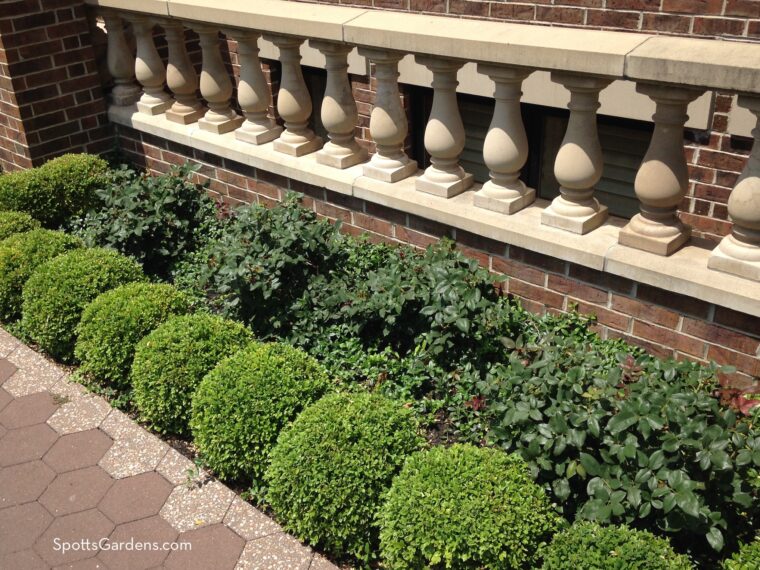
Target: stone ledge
{"points": [[710, 64], [684, 272]]}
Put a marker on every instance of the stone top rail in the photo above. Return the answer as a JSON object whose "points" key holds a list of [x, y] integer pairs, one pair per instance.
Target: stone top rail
{"points": [[709, 64]]}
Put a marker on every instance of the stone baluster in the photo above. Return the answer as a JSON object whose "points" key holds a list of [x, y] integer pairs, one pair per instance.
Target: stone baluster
{"points": [[254, 95], [579, 162], [505, 149], [388, 123], [338, 112], [444, 132], [181, 78], [739, 252], [121, 62], [216, 86], [663, 178], [149, 69], [294, 101]]}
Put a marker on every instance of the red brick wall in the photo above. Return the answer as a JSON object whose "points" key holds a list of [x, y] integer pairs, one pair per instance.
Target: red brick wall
{"points": [[662, 322], [51, 99]]}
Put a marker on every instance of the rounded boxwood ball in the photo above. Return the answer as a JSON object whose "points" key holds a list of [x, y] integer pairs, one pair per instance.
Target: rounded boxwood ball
{"points": [[116, 321], [590, 546], [242, 405], [171, 361], [332, 467], [16, 223], [465, 507], [58, 291], [20, 255], [747, 557]]}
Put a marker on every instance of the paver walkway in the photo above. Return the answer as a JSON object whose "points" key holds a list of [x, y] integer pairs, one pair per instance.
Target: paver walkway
{"points": [[80, 482]]}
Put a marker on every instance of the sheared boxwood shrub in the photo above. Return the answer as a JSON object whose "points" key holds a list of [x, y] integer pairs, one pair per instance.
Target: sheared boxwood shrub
{"points": [[20, 255], [58, 291], [241, 406], [156, 219], [589, 546], [170, 363], [59, 189], [15, 223], [465, 507], [115, 322], [618, 438], [332, 468], [747, 558]]}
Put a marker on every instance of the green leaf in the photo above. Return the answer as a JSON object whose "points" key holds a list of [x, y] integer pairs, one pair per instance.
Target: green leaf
{"points": [[715, 538], [590, 464]]}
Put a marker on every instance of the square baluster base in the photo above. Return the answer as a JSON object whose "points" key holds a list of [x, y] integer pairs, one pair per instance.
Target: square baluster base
{"points": [[154, 108], [390, 174], [450, 190], [507, 206], [257, 138], [341, 161], [299, 149], [719, 261], [220, 128], [658, 246], [579, 225], [184, 118]]}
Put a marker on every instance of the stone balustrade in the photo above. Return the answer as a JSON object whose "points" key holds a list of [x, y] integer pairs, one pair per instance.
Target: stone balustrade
{"points": [[671, 71]]}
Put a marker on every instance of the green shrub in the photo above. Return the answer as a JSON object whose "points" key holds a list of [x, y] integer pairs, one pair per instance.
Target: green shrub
{"points": [[170, 363], [115, 322], [59, 189], [589, 546], [332, 467], [242, 405], [622, 439], [264, 261], [15, 223], [747, 558], [465, 507], [20, 255], [156, 219], [58, 291]]}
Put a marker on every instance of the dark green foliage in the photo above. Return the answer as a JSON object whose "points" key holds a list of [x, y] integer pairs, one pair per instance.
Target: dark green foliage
{"points": [[16, 223], [624, 439], [465, 507], [170, 363], [59, 189], [242, 405], [156, 219], [20, 255], [115, 322], [264, 262], [331, 469], [58, 291], [589, 546], [747, 558]]}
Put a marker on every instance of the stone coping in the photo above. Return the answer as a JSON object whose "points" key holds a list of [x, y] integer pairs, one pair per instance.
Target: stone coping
{"points": [[684, 272], [710, 64]]}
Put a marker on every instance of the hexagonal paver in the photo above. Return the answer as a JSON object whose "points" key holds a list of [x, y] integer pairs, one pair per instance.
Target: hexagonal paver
{"points": [[5, 399], [120, 504], [80, 532], [7, 369], [213, 546], [249, 522], [134, 450], [20, 526], [35, 374], [28, 410], [26, 444], [23, 483], [79, 410], [275, 552], [23, 560], [174, 467], [78, 450], [153, 531], [191, 507], [75, 491], [3, 431]]}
